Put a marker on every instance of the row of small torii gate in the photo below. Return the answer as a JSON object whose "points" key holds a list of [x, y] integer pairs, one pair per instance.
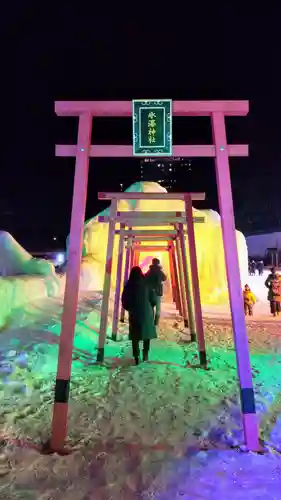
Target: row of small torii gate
{"points": [[181, 267], [178, 258]]}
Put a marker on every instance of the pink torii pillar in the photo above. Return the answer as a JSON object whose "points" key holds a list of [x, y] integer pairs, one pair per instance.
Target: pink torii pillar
{"points": [[250, 422], [172, 274], [60, 409], [188, 291], [126, 273], [117, 297], [176, 277], [220, 150], [182, 288]]}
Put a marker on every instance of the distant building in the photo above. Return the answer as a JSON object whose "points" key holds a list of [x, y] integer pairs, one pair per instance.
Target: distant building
{"points": [[168, 172], [265, 246]]}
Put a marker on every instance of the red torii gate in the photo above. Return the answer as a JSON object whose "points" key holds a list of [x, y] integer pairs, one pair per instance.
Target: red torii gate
{"points": [[136, 219], [139, 236], [217, 110]]}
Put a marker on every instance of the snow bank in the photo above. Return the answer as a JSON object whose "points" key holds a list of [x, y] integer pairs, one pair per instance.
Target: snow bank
{"points": [[23, 279], [91, 275], [15, 260], [158, 430], [18, 292]]}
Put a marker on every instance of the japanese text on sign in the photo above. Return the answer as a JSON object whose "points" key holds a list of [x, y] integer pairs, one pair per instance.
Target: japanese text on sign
{"points": [[151, 127]]}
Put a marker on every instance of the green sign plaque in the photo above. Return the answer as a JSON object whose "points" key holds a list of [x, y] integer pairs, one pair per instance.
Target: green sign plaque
{"points": [[152, 128]]}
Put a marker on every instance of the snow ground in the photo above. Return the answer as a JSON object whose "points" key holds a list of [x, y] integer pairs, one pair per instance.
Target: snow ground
{"points": [[159, 430]]}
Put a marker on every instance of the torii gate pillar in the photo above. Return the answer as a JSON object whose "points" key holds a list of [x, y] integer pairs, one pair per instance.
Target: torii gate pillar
{"points": [[234, 282], [60, 410]]}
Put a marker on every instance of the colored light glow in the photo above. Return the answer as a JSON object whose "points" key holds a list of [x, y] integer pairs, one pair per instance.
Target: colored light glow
{"points": [[147, 261], [60, 258]]}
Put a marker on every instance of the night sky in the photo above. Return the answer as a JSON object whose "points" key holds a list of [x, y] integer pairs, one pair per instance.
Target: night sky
{"points": [[65, 53]]}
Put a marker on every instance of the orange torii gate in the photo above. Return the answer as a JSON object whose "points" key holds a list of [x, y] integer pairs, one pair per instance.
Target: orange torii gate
{"points": [[174, 281], [140, 236], [220, 151]]}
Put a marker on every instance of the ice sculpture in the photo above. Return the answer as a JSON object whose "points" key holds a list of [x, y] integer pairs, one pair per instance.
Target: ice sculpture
{"points": [[23, 279], [15, 260], [209, 247]]}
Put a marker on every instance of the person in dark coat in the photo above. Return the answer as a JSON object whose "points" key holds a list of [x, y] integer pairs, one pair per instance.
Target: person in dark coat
{"points": [[253, 268], [139, 299], [155, 278], [260, 267], [273, 284]]}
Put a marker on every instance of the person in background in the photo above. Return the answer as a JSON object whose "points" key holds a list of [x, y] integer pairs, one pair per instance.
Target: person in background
{"points": [[249, 268], [139, 300], [273, 283], [155, 278], [253, 267], [260, 267], [249, 300]]}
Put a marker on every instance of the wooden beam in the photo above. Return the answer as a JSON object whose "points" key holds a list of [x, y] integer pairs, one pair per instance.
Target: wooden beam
{"points": [[150, 218], [150, 196], [146, 239], [142, 223], [139, 233], [119, 151], [153, 248], [124, 108], [140, 239], [139, 222], [174, 214], [149, 215]]}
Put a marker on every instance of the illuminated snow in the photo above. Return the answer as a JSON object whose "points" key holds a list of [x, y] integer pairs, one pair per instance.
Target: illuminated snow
{"points": [[209, 246], [23, 279], [159, 429]]}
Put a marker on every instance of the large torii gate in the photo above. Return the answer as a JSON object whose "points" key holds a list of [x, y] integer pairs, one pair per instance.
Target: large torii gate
{"points": [[220, 150]]}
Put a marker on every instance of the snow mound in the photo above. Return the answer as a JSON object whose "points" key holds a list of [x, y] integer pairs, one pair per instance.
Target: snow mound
{"points": [[17, 293], [15, 260], [23, 279], [209, 246]]}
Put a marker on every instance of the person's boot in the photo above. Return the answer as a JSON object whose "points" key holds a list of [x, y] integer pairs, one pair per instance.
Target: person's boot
{"points": [[156, 321], [137, 361], [145, 355]]}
